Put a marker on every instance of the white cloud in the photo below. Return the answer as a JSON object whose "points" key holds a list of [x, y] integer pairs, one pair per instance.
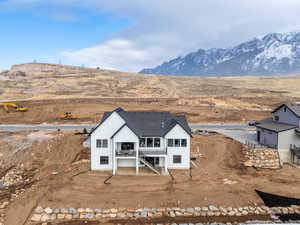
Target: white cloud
{"points": [[165, 29], [115, 54]]}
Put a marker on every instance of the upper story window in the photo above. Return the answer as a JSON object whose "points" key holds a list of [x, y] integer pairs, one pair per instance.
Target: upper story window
{"points": [[177, 142], [157, 142], [150, 142], [276, 118], [101, 143], [284, 109]]}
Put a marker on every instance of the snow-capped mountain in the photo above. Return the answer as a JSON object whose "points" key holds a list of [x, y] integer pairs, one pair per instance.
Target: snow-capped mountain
{"points": [[274, 54]]}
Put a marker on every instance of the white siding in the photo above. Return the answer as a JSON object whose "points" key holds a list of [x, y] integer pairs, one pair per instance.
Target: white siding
{"points": [[285, 139], [126, 162], [104, 131], [287, 117], [126, 135], [178, 133]]}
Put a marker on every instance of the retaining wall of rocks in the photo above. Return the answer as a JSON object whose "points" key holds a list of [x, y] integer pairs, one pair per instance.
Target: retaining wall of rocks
{"points": [[44, 214], [261, 158]]}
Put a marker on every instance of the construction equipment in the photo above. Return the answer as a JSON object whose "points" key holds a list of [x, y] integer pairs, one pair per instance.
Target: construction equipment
{"points": [[12, 107], [67, 116]]}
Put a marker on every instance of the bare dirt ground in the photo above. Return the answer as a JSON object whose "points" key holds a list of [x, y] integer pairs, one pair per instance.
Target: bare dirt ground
{"points": [[48, 90], [60, 180], [197, 110]]}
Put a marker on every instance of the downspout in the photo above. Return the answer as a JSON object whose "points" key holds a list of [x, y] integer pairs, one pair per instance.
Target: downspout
{"points": [[280, 166]]}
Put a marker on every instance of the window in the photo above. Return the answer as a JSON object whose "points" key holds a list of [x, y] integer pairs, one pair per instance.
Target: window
{"points": [[177, 142], [143, 142], [176, 159], [149, 142], [285, 109], [98, 143], [104, 160], [276, 118], [156, 142], [104, 143], [183, 143], [127, 146], [170, 142], [101, 143]]}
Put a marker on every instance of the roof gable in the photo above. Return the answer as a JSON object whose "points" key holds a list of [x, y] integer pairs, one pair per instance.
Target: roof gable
{"points": [[150, 124], [294, 108], [105, 116], [121, 128]]}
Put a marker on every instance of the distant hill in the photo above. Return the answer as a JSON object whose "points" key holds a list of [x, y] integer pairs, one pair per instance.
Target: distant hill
{"points": [[274, 54]]}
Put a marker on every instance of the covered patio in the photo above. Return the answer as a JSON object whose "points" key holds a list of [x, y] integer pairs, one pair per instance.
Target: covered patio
{"points": [[295, 154]]}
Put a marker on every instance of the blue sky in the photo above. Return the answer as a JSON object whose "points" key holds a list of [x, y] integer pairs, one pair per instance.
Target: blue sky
{"points": [[130, 35], [27, 36]]}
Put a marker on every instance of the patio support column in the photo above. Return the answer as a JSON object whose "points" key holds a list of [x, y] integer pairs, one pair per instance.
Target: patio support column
{"points": [[137, 159], [166, 165], [114, 158]]}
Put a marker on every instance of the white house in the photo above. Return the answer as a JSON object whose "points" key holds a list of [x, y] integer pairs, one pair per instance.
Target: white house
{"points": [[158, 140], [282, 132]]}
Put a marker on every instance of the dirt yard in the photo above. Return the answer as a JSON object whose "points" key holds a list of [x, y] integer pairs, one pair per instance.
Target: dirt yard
{"points": [[60, 180]]}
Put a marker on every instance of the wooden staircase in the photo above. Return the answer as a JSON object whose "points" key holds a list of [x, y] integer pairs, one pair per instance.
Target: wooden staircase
{"points": [[149, 165]]}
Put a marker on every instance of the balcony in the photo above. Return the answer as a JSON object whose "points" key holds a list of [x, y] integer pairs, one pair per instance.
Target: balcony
{"points": [[142, 152], [125, 153], [146, 151]]}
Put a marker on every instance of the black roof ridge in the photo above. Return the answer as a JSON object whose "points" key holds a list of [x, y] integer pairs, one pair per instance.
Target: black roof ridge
{"points": [[153, 125]]}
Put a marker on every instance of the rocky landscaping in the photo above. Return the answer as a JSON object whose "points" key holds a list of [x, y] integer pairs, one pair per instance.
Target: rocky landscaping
{"points": [[261, 158], [13, 182], [43, 214]]}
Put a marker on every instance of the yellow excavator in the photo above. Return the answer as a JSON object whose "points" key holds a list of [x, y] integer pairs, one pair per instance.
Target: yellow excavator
{"points": [[67, 116], [12, 107]]}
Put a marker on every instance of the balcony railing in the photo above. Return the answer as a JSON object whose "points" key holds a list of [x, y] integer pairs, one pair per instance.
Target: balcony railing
{"points": [[153, 151], [142, 152], [123, 153]]}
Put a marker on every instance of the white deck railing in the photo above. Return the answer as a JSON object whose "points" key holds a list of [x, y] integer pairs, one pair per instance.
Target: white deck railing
{"points": [[142, 152]]}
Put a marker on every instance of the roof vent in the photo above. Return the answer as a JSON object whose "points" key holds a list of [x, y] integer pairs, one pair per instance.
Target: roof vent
{"points": [[163, 124]]}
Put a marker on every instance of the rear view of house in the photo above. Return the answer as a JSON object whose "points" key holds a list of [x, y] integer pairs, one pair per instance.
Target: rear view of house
{"points": [[158, 140]]}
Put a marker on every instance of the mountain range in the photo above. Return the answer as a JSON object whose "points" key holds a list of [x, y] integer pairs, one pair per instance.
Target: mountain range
{"points": [[273, 54]]}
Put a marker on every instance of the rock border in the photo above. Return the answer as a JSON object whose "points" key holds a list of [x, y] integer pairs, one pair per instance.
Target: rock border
{"points": [[45, 214]]}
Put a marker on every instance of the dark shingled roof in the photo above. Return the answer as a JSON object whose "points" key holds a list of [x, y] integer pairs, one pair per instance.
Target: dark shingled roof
{"points": [[150, 124], [270, 124], [294, 107]]}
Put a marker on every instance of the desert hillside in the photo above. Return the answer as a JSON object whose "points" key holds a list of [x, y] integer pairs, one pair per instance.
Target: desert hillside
{"points": [[40, 81], [48, 89]]}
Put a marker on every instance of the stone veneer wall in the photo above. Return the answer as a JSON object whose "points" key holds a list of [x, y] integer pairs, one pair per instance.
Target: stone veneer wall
{"points": [[261, 158], [44, 214]]}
